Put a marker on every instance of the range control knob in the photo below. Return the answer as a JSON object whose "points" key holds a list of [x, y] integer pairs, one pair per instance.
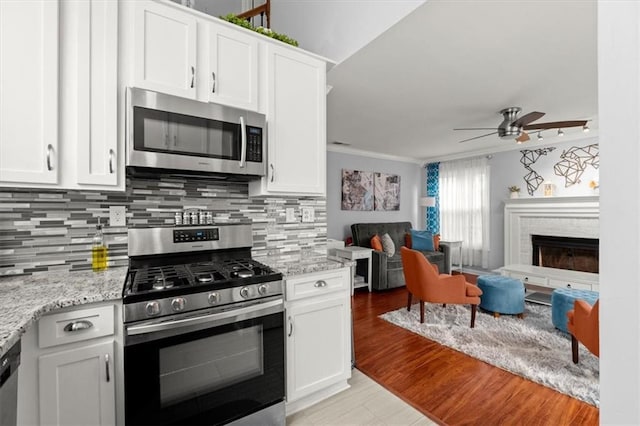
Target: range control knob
{"points": [[152, 308], [263, 289], [178, 304], [213, 298], [244, 292]]}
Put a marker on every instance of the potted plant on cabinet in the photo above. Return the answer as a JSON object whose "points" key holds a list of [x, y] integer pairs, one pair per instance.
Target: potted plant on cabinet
{"points": [[514, 192]]}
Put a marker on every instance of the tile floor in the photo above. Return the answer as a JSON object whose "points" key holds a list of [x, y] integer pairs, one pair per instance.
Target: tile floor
{"points": [[364, 403]]}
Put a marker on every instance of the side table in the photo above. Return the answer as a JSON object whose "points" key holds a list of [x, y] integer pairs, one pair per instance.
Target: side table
{"points": [[454, 245], [356, 253]]}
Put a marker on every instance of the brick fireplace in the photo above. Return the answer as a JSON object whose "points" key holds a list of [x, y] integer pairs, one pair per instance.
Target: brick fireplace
{"points": [[572, 218]]}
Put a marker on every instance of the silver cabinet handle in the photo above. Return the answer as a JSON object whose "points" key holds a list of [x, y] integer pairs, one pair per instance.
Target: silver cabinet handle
{"points": [[273, 172], [213, 88], [290, 327], [112, 155], [106, 364], [243, 139], [78, 325], [320, 284], [49, 154], [193, 76]]}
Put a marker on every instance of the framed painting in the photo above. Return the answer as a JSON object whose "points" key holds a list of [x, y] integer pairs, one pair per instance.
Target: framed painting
{"points": [[387, 192], [357, 190]]}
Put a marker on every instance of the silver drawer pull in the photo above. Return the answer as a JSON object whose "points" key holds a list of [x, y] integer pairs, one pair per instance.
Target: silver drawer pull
{"points": [[320, 283], [49, 159], [290, 327], [78, 325], [106, 362], [112, 154]]}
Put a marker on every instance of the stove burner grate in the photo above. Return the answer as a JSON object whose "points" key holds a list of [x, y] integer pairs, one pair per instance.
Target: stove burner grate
{"points": [[160, 278]]}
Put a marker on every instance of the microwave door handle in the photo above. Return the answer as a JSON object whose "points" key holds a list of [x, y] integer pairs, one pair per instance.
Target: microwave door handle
{"points": [[243, 140]]}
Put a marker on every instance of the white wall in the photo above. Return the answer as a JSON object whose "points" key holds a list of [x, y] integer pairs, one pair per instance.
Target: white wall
{"points": [[411, 188], [346, 25], [619, 109]]}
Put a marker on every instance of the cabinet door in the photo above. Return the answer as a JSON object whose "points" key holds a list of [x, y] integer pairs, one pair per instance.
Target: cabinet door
{"points": [[296, 115], [29, 88], [233, 67], [165, 49], [76, 387], [318, 344], [98, 157]]}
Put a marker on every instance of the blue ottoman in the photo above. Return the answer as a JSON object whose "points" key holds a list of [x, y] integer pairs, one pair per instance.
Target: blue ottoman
{"points": [[562, 302], [501, 295]]}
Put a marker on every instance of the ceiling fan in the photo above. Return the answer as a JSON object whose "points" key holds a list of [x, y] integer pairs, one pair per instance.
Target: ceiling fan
{"points": [[513, 127]]}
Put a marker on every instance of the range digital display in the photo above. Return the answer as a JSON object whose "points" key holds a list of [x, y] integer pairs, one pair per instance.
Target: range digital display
{"points": [[193, 235]]}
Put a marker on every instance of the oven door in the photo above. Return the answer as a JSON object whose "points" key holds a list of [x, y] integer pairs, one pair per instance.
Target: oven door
{"points": [[207, 369]]}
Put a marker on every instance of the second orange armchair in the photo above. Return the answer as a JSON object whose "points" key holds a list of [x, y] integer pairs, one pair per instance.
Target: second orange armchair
{"points": [[424, 282]]}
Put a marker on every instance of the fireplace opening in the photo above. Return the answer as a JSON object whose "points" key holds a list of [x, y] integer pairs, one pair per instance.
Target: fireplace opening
{"points": [[576, 254]]}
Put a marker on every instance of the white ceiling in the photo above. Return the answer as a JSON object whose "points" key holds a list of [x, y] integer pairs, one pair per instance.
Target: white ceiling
{"points": [[451, 64]]}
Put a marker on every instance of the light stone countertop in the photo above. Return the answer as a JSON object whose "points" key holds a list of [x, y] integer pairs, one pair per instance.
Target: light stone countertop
{"points": [[26, 298]]}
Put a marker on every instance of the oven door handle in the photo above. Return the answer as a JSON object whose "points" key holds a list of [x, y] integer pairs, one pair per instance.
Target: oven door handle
{"points": [[210, 320]]}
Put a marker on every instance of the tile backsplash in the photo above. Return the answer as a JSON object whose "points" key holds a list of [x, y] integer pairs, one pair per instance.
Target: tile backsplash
{"points": [[45, 230]]}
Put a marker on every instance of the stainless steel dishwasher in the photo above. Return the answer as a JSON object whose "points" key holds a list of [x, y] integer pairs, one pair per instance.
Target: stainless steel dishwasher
{"points": [[9, 385]]}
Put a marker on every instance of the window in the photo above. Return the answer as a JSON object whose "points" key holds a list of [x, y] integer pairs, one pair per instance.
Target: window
{"points": [[464, 208]]}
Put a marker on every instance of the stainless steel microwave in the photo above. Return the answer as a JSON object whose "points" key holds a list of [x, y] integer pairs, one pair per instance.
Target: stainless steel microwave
{"points": [[169, 132]]}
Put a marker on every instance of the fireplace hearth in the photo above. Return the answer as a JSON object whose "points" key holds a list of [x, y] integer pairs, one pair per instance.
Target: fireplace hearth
{"points": [[576, 254]]}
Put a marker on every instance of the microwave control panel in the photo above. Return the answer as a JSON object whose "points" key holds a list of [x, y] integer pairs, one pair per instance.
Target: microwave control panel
{"points": [[254, 144], [193, 235]]}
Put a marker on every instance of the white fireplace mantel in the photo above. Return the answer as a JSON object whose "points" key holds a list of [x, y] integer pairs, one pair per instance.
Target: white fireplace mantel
{"points": [[555, 216]]}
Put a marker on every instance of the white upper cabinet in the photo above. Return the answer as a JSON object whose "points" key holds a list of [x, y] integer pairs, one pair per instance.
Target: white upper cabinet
{"points": [[165, 40], [97, 80], [29, 92], [296, 122], [233, 66]]}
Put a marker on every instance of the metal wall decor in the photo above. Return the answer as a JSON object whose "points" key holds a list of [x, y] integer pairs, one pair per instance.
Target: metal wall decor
{"points": [[387, 192], [574, 162], [529, 156]]}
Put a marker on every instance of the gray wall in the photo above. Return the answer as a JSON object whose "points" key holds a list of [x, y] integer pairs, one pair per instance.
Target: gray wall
{"points": [[506, 170], [411, 188]]}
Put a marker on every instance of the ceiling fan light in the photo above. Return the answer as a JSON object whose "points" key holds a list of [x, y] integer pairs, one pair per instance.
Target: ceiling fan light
{"points": [[540, 136], [560, 132], [585, 128]]}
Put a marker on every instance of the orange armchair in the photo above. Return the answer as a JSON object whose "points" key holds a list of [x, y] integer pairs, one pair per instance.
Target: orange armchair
{"points": [[584, 326], [424, 282]]}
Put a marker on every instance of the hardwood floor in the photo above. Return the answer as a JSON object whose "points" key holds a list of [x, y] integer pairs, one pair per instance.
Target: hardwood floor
{"points": [[448, 386]]}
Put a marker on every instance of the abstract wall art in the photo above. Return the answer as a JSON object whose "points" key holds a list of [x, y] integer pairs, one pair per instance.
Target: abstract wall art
{"points": [[357, 190], [387, 192]]}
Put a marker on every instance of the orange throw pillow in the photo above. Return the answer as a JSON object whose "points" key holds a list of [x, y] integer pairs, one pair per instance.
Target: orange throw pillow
{"points": [[376, 243], [436, 242], [407, 239]]}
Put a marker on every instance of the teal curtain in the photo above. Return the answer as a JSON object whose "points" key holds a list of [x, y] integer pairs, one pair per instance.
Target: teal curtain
{"points": [[433, 190]]}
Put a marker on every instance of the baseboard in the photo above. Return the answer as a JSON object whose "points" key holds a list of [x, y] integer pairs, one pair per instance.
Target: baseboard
{"points": [[312, 399]]}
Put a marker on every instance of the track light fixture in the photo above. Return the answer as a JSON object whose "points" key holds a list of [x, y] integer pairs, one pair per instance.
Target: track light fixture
{"points": [[540, 136], [560, 132], [585, 128]]}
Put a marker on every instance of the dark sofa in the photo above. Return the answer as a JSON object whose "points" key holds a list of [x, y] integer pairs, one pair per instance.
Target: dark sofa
{"points": [[387, 271]]}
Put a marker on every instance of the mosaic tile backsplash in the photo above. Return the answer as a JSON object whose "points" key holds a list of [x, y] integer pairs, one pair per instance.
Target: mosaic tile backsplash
{"points": [[45, 230]]}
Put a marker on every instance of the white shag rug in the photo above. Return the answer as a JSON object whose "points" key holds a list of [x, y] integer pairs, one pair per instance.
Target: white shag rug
{"points": [[531, 347]]}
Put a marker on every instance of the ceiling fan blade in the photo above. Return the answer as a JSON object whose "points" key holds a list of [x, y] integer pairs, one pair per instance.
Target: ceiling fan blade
{"points": [[476, 128], [555, 125], [478, 137], [527, 118], [523, 137]]}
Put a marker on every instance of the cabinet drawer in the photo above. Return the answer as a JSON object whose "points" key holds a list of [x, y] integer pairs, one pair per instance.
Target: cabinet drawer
{"points": [[568, 284], [317, 284], [75, 326], [530, 279]]}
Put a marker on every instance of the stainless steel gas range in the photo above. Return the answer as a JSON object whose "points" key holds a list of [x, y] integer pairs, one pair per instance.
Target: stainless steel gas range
{"points": [[204, 329]]}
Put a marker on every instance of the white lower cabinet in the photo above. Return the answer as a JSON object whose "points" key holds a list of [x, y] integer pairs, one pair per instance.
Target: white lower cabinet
{"points": [[71, 364], [77, 386], [318, 343]]}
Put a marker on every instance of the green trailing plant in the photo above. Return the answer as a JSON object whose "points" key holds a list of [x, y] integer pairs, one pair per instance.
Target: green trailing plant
{"points": [[264, 31]]}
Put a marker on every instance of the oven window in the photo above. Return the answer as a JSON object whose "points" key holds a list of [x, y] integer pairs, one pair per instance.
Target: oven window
{"points": [[198, 367], [159, 131]]}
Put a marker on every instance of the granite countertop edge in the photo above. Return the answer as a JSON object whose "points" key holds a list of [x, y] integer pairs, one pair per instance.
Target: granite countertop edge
{"points": [[26, 298]]}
